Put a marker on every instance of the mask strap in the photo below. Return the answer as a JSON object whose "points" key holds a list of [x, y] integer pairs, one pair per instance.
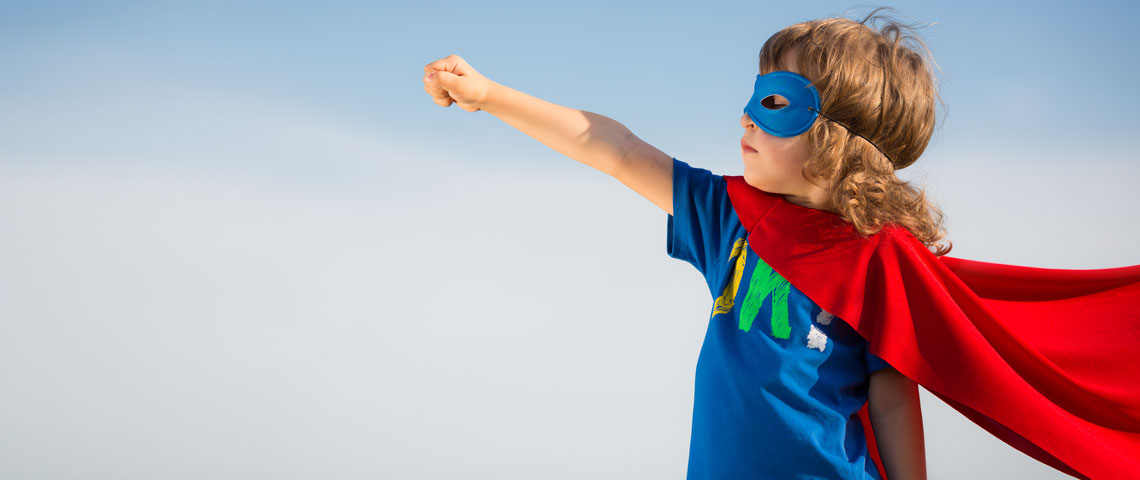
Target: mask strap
{"points": [[849, 129]]}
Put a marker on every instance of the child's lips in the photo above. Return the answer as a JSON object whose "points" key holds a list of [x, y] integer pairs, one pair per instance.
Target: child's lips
{"points": [[746, 148]]}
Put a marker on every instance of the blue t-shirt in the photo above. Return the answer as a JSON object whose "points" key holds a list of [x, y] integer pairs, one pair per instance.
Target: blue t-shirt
{"points": [[779, 381]]}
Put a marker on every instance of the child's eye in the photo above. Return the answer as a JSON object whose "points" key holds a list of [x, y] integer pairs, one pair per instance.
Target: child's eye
{"points": [[774, 102]]}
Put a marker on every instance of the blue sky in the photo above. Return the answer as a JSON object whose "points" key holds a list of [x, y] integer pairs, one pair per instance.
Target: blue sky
{"points": [[244, 227], [1012, 74]]}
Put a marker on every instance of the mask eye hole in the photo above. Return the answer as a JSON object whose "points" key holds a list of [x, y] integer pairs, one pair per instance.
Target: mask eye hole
{"points": [[774, 102]]}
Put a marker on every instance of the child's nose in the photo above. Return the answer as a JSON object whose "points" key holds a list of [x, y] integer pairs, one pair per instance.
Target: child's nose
{"points": [[746, 121]]}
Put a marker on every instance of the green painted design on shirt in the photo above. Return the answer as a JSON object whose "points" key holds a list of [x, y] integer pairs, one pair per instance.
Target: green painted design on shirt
{"points": [[766, 282]]}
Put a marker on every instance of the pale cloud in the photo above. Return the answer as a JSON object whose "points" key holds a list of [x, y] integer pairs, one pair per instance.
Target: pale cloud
{"points": [[186, 131]]}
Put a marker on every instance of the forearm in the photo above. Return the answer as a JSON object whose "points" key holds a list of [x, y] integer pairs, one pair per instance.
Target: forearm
{"points": [[595, 140], [899, 436]]}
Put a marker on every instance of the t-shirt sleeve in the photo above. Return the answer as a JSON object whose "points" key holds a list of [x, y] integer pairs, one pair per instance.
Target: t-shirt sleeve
{"points": [[700, 228], [874, 363]]}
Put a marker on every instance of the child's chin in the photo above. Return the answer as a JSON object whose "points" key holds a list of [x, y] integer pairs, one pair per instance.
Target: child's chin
{"points": [[756, 183]]}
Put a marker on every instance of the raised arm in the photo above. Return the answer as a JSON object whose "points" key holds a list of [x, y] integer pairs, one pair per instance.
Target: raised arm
{"points": [[649, 172], [595, 140]]}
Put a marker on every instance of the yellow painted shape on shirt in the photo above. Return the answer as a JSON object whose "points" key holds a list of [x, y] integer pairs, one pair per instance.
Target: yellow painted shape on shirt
{"points": [[725, 301]]}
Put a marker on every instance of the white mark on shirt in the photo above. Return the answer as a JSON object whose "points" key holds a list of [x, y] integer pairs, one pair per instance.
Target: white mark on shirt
{"points": [[816, 339], [824, 318]]}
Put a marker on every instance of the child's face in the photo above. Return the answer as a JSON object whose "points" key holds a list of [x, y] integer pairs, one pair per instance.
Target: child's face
{"points": [[775, 164]]}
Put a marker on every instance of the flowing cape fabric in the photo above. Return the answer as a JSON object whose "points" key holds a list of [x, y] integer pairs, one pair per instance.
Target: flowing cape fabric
{"points": [[1044, 359]]}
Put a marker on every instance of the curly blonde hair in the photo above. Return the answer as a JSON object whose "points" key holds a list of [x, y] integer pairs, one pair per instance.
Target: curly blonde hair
{"points": [[873, 82]]}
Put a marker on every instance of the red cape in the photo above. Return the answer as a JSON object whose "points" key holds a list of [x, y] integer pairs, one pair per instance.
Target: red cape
{"points": [[1044, 359]]}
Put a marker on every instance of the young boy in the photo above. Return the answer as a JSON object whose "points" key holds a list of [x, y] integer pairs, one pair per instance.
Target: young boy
{"points": [[819, 228]]}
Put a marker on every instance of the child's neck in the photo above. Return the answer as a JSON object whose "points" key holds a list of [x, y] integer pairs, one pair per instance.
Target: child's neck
{"points": [[817, 200]]}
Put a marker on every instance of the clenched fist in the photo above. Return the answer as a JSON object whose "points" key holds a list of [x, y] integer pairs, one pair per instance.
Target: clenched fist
{"points": [[451, 79]]}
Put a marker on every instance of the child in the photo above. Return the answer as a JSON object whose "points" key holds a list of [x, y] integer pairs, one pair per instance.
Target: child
{"points": [[829, 307]]}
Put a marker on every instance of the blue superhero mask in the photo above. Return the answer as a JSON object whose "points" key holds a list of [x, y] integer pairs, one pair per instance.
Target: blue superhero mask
{"points": [[779, 120], [798, 115]]}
